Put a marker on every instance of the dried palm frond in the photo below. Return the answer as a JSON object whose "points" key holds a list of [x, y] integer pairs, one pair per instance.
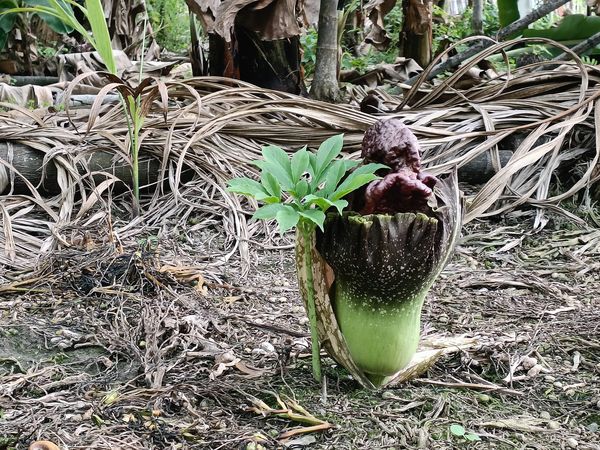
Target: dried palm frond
{"points": [[214, 127]]}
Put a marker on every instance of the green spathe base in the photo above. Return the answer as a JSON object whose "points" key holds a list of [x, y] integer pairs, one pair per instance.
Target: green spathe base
{"points": [[382, 335]]}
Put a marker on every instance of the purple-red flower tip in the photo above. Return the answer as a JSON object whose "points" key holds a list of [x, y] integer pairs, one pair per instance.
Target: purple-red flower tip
{"points": [[405, 188]]}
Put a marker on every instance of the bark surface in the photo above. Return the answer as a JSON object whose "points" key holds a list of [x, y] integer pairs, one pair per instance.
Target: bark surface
{"points": [[325, 82]]}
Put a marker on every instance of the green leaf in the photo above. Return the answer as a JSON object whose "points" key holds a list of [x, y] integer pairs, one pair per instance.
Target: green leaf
{"points": [[268, 199], [301, 189], [267, 212], [352, 184], [101, 36], [315, 216], [300, 164], [573, 27], [277, 162], [370, 168], [332, 176], [317, 200], [282, 177], [62, 26], [247, 186], [269, 182], [508, 12], [350, 163], [472, 437], [313, 164], [287, 217], [7, 21], [323, 203], [361, 176], [327, 152], [275, 155], [457, 430], [340, 205]]}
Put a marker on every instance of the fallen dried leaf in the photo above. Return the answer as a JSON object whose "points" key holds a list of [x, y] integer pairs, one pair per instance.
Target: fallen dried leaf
{"points": [[526, 424], [250, 372], [187, 274]]}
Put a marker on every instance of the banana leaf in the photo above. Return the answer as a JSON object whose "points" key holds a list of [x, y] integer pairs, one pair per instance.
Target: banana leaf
{"points": [[508, 12], [571, 28]]}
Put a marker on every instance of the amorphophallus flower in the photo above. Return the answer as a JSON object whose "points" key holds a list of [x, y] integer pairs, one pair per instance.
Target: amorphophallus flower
{"points": [[376, 262]]}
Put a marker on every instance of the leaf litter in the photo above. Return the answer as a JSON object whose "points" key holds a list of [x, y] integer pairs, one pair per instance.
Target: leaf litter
{"points": [[141, 357], [167, 330]]}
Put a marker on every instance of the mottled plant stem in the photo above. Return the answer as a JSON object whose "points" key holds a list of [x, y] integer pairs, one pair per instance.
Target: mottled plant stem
{"points": [[306, 232]]}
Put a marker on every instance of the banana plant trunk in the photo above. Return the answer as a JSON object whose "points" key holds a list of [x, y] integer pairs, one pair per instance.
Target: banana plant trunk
{"points": [[416, 36], [325, 82]]}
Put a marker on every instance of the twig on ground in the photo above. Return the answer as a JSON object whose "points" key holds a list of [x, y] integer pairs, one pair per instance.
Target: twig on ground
{"points": [[477, 387]]}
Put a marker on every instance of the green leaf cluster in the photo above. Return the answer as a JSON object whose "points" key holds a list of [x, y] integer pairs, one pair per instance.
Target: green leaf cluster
{"points": [[170, 22], [459, 431], [60, 16], [299, 189]]}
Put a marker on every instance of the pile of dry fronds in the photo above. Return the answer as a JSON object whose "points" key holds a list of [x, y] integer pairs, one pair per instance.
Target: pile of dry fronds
{"points": [[548, 116]]}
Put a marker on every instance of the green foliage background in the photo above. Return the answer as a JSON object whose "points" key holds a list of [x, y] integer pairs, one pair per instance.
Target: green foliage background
{"points": [[170, 21]]}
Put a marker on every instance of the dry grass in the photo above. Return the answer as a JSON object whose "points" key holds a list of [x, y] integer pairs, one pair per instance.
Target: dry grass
{"points": [[215, 127]]}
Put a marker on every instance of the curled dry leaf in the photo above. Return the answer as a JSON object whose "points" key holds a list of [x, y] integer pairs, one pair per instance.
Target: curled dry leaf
{"points": [[291, 410]]}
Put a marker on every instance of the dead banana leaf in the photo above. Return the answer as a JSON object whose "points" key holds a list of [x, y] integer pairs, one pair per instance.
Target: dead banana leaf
{"points": [[526, 424], [43, 445], [430, 350]]}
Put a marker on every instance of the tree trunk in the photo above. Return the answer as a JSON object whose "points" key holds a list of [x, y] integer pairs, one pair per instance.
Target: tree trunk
{"points": [[29, 162], [268, 64], [325, 83], [477, 22], [416, 36], [220, 58]]}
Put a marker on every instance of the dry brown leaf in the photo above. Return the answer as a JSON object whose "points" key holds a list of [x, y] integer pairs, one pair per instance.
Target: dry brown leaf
{"points": [[526, 424], [43, 445], [289, 409], [187, 274], [249, 371]]}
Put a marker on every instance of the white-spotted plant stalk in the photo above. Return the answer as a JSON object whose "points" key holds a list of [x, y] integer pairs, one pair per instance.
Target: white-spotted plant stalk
{"points": [[297, 191]]}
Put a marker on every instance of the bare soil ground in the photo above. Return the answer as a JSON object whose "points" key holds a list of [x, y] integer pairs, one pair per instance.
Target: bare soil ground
{"points": [[104, 350]]}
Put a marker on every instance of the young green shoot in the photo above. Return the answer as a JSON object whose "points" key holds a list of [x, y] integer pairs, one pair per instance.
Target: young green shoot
{"points": [[99, 39], [297, 191]]}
